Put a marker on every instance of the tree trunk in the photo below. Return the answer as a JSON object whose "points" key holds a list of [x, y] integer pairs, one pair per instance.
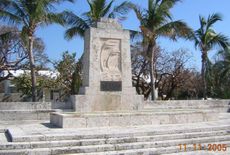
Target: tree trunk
{"points": [[32, 67], [203, 74], [151, 53]]}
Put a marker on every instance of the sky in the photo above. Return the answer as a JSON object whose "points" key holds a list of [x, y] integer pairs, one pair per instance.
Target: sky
{"points": [[187, 10]]}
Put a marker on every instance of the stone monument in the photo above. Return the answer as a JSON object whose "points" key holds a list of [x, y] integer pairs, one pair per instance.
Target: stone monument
{"points": [[107, 97], [107, 77]]}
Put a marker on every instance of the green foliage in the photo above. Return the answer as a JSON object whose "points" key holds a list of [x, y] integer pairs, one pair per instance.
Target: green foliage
{"points": [[23, 84], [156, 21], [29, 15], [206, 39], [76, 81], [69, 79], [98, 9], [218, 76], [67, 82]]}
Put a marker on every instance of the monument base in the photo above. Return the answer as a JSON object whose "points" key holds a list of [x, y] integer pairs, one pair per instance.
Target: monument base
{"points": [[125, 118], [107, 102]]}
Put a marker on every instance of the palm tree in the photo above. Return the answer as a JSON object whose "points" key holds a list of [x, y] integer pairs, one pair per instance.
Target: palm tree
{"points": [[155, 22], [205, 39], [98, 9], [225, 63], [30, 14]]}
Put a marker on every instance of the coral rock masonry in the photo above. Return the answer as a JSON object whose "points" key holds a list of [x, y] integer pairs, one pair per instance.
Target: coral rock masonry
{"points": [[107, 77]]}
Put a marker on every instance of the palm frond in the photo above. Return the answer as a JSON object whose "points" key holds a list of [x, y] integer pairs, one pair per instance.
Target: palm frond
{"points": [[24, 36], [197, 44], [203, 22], [121, 10], [219, 40], [77, 25], [10, 12], [9, 17], [58, 18], [106, 10], [175, 29], [164, 8], [138, 12], [151, 4], [73, 32], [168, 4], [61, 1], [5, 36], [223, 65], [213, 19], [97, 7]]}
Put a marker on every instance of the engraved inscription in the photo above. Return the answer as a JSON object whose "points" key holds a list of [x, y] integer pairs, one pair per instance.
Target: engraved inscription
{"points": [[110, 60], [111, 86]]}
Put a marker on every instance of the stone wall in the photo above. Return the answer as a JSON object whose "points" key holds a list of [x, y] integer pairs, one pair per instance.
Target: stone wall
{"points": [[19, 111], [25, 105], [15, 97]]}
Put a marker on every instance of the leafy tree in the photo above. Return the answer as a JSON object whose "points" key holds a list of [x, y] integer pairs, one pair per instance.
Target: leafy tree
{"points": [[140, 67], [69, 79], [156, 21], [98, 9], [23, 84], [206, 39], [30, 15], [76, 79], [218, 76], [13, 51], [224, 63]]}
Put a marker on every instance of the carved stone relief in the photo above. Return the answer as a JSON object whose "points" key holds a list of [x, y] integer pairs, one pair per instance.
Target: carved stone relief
{"points": [[110, 59]]}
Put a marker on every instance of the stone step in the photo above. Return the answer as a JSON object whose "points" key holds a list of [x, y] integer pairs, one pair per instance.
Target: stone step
{"points": [[3, 139], [2, 130], [188, 103], [85, 142], [186, 107], [56, 136], [172, 150], [202, 152], [214, 109], [224, 116], [12, 115], [159, 147], [130, 118]]}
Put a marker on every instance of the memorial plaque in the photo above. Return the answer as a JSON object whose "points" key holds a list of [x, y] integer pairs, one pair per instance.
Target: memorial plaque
{"points": [[111, 86]]}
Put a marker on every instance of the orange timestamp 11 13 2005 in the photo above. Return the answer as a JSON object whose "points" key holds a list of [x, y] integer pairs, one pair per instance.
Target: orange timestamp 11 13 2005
{"points": [[208, 147]]}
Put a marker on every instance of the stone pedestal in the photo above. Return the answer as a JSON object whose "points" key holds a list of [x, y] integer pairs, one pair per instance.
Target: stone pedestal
{"points": [[107, 77]]}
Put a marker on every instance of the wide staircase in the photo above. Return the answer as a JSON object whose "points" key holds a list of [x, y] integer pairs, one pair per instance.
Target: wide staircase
{"points": [[190, 138]]}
